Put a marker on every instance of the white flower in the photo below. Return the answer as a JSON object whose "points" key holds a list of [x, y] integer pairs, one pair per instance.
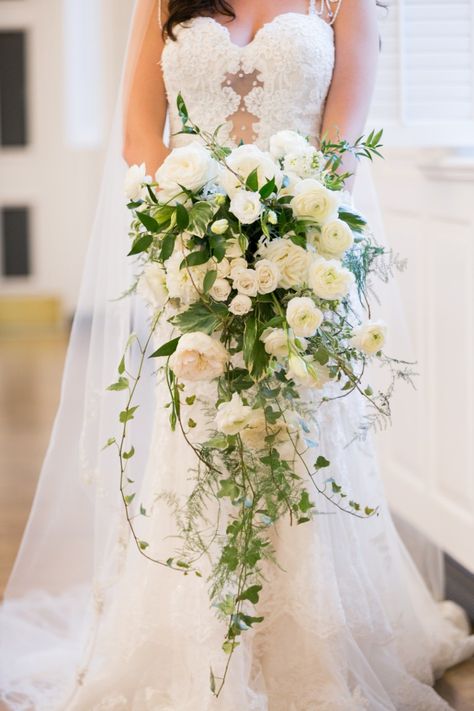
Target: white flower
{"points": [[291, 259], [223, 268], [134, 182], [272, 217], [235, 247], [246, 206], [246, 282], [220, 226], [244, 160], [303, 316], [152, 285], [232, 416], [370, 337], [185, 284], [240, 305], [306, 163], [314, 201], [220, 290], [290, 183], [257, 428], [268, 276], [285, 142], [190, 166], [306, 372], [198, 357], [275, 341], [236, 266], [336, 237], [329, 280]]}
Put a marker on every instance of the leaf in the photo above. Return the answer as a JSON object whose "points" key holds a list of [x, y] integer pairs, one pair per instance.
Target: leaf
{"points": [[121, 384], [305, 504], [251, 594], [212, 681], [148, 221], [121, 367], [217, 442], [182, 217], [166, 349], [229, 646], [218, 246], [322, 355], [201, 317], [228, 488], [322, 463], [267, 189], [109, 443], [190, 400], [209, 280], [143, 510], [191, 423], [129, 498], [303, 519], [141, 244], [355, 221], [129, 454], [252, 180], [182, 108], [167, 247], [143, 545], [128, 414], [200, 216], [368, 391], [336, 488], [368, 511], [200, 256]]}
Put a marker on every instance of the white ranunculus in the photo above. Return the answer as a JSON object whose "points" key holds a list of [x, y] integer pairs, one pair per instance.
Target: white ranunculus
{"points": [[223, 268], [191, 166], [243, 160], [220, 290], [152, 285], [236, 266], [370, 337], [336, 237], [275, 341], [246, 206], [220, 226], [314, 201], [285, 142], [184, 284], [240, 305], [307, 372], [303, 316], [233, 247], [134, 182], [291, 260], [329, 280], [268, 276], [246, 282], [198, 357], [232, 416], [306, 163]]}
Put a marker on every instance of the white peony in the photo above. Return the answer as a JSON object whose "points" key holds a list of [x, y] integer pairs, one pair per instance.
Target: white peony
{"points": [[134, 182], [314, 201], [370, 337], [220, 226], [152, 285], [306, 163], [220, 290], [240, 305], [191, 166], [329, 280], [292, 261], [307, 372], [243, 160], [245, 282], [285, 142], [236, 266], [246, 206], [185, 284], [303, 316], [336, 237], [198, 357], [232, 416], [268, 276]]}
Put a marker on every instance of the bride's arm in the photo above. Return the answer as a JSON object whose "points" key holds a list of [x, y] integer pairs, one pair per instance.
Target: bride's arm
{"points": [[357, 49], [144, 92]]}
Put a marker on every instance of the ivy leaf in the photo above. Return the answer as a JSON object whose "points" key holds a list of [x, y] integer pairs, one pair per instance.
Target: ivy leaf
{"points": [[141, 244], [201, 317], [321, 355], [368, 511], [129, 498], [322, 463], [305, 504], [229, 646], [109, 443], [228, 488], [200, 215], [336, 488], [129, 454], [128, 414], [251, 594], [166, 349], [143, 545], [121, 384]]}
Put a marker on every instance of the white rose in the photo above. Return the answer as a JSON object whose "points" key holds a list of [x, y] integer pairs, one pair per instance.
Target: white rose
{"points": [[220, 290], [303, 316], [152, 285], [306, 372], [236, 266], [232, 416], [370, 337], [240, 305], [223, 268], [190, 166], [220, 226], [306, 163], [134, 182], [285, 142], [234, 248], [185, 284], [336, 237], [275, 341], [244, 160], [246, 206], [246, 282], [268, 276], [289, 184], [198, 357], [314, 201], [291, 260], [329, 280]]}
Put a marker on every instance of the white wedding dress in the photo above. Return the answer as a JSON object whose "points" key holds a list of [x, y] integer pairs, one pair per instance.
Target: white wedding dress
{"points": [[349, 623]]}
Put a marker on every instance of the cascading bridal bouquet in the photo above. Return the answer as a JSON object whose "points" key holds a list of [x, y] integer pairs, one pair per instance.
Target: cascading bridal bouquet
{"points": [[256, 262]]}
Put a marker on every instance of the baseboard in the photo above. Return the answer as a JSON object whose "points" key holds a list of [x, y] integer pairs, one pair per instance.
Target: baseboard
{"points": [[459, 585]]}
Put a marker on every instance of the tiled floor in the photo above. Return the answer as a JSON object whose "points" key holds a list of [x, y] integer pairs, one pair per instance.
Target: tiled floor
{"points": [[30, 372]]}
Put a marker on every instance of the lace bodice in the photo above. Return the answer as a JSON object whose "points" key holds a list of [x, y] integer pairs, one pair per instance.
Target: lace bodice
{"points": [[279, 80]]}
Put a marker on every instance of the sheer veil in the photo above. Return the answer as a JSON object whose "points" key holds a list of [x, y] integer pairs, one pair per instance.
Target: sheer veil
{"points": [[71, 536]]}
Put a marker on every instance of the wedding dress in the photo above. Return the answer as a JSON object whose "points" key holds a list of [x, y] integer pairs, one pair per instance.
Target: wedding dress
{"points": [[349, 623]]}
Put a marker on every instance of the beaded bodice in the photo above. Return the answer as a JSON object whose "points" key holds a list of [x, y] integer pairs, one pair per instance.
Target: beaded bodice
{"points": [[277, 81]]}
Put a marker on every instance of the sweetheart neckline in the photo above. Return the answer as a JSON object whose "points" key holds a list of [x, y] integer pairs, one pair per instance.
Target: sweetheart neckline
{"points": [[265, 25]]}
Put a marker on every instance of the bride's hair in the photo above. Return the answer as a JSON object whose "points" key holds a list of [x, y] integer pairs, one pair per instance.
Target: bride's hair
{"points": [[182, 10]]}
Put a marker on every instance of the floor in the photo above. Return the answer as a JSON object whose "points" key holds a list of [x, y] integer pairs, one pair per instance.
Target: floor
{"points": [[30, 372]]}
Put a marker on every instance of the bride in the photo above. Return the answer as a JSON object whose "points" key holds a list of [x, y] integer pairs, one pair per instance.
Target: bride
{"points": [[90, 625]]}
